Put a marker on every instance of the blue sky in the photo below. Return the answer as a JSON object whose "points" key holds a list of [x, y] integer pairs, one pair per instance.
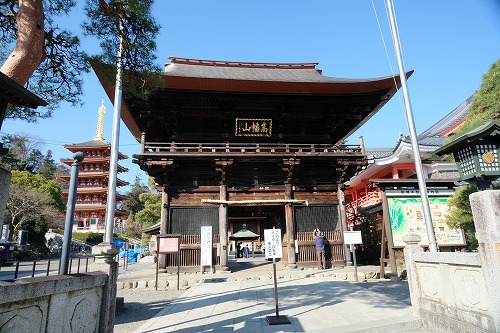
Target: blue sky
{"points": [[450, 44]]}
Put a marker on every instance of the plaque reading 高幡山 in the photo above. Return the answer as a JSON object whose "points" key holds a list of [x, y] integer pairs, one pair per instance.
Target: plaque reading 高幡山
{"points": [[253, 127]]}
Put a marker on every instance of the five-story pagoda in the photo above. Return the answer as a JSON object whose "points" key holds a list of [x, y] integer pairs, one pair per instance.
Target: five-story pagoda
{"points": [[92, 189]]}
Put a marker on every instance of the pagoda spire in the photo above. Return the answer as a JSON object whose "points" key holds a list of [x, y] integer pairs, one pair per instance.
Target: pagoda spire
{"points": [[100, 123]]}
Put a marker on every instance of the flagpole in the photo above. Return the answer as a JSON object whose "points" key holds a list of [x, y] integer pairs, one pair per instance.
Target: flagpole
{"points": [[113, 164], [413, 136]]}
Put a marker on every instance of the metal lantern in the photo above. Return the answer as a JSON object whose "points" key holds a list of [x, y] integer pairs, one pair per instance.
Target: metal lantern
{"points": [[476, 153]]}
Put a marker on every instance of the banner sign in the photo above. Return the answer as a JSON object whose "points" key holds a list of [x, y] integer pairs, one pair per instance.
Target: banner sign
{"points": [[416, 192], [272, 239], [253, 127], [206, 246], [406, 214]]}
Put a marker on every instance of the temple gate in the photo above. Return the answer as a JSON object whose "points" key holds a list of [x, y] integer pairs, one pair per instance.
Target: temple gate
{"points": [[261, 144]]}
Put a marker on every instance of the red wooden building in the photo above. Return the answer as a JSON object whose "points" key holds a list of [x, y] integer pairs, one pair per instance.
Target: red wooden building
{"points": [[392, 172], [93, 178]]}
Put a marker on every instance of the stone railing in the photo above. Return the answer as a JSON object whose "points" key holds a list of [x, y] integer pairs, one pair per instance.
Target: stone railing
{"points": [[63, 303], [454, 291]]}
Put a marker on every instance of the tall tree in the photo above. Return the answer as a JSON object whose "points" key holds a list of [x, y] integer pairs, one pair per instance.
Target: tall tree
{"points": [[50, 60], [150, 215], [133, 203], [130, 19], [45, 57], [27, 204], [24, 152], [48, 167], [40, 184], [486, 102]]}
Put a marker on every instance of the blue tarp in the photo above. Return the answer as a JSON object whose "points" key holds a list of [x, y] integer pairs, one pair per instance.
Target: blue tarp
{"points": [[131, 253]]}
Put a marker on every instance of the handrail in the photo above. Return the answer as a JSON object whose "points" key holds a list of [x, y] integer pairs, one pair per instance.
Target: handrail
{"points": [[247, 148]]}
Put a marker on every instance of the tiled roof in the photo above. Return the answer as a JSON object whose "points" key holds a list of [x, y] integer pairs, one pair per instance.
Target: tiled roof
{"points": [[279, 72], [14, 93], [91, 143], [379, 152], [433, 136]]}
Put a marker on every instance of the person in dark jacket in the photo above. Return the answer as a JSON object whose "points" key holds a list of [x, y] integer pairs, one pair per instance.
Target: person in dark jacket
{"points": [[320, 248], [238, 249]]}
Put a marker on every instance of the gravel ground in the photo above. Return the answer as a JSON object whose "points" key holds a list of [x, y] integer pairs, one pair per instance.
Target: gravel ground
{"points": [[140, 306]]}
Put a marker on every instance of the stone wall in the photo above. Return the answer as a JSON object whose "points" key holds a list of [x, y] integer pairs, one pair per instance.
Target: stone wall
{"points": [[459, 292], [55, 304], [452, 292]]}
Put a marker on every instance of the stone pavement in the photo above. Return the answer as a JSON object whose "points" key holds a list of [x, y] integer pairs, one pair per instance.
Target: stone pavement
{"points": [[243, 299]]}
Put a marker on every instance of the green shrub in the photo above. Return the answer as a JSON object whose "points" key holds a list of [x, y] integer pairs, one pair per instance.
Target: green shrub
{"points": [[88, 237], [18, 255]]}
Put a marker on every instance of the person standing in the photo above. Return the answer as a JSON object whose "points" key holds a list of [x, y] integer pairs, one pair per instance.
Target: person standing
{"points": [[246, 251], [238, 249], [320, 248]]}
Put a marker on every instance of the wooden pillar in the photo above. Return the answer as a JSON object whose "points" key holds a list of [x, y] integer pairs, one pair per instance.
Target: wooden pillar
{"points": [[343, 225], [143, 142], [387, 240], [290, 230], [164, 224], [223, 228]]}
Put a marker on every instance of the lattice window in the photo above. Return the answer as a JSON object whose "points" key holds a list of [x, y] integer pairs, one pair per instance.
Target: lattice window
{"points": [[308, 218], [188, 221], [491, 148], [466, 160]]}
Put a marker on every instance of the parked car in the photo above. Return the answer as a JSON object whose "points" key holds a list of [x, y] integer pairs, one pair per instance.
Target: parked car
{"points": [[5, 250]]}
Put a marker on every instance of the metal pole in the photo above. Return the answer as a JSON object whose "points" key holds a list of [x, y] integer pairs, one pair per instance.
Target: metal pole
{"points": [[113, 167], [413, 136], [275, 289], [70, 213], [354, 260]]}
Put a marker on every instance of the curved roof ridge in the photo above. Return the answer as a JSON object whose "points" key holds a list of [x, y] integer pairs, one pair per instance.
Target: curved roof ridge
{"points": [[227, 63]]}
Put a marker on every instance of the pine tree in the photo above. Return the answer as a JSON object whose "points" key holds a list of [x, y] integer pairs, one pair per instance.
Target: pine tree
{"points": [[48, 167], [50, 60]]}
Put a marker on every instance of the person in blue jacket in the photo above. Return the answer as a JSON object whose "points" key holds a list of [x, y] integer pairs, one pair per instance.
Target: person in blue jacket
{"points": [[246, 251]]}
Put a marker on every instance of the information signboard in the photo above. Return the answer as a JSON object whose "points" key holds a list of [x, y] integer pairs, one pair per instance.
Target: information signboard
{"points": [[272, 239], [406, 214], [206, 246], [168, 244], [352, 237]]}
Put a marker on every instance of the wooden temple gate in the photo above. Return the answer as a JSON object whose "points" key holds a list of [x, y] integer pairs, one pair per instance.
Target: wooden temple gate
{"points": [[229, 135]]}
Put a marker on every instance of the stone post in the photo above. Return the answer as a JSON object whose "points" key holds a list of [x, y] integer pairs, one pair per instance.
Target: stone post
{"points": [[412, 239], [485, 206], [105, 254]]}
